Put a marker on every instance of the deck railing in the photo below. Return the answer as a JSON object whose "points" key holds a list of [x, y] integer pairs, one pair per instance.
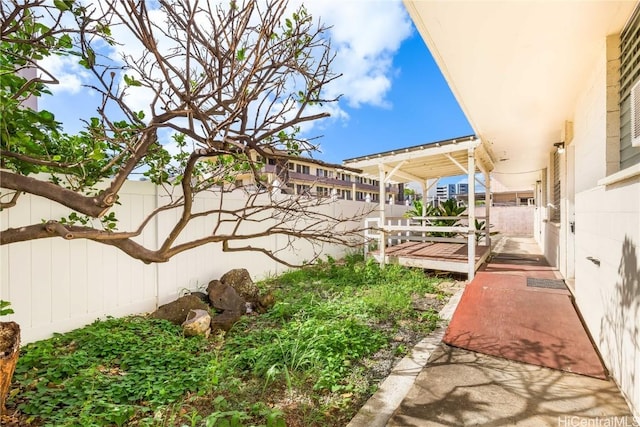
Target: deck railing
{"points": [[421, 229]]}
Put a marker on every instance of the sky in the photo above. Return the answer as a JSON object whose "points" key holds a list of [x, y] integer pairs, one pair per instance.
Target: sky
{"points": [[392, 92]]}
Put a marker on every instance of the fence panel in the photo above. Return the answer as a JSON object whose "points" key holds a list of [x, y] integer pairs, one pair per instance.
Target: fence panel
{"points": [[56, 285]]}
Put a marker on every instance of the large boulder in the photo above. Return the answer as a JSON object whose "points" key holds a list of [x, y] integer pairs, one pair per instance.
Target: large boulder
{"points": [[198, 323], [240, 280], [225, 321], [176, 311], [203, 296], [225, 298]]}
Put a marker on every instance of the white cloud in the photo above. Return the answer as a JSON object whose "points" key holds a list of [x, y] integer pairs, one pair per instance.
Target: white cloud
{"points": [[365, 35], [70, 74]]}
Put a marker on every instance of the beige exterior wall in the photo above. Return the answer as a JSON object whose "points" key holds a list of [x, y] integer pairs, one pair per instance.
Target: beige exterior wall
{"points": [[55, 285], [603, 253]]}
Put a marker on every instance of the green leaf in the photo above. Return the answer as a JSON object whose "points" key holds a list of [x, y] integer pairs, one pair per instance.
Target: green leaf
{"points": [[61, 5], [91, 57], [65, 42], [97, 154], [131, 81], [46, 116], [5, 309], [240, 55]]}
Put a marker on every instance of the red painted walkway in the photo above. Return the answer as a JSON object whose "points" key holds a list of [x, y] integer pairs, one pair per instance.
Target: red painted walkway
{"points": [[500, 315]]}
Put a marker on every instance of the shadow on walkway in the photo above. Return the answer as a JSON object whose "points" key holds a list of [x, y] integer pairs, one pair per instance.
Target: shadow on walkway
{"points": [[517, 343]]}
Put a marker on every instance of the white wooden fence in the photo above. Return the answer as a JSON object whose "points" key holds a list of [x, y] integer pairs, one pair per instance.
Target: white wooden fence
{"points": [[55, 285]]}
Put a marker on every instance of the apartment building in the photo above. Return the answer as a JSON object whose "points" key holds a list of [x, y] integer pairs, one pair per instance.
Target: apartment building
{"points": [[315, 178]]}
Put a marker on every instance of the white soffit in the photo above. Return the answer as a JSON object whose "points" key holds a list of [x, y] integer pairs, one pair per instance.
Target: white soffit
{"points": [[517, 68]]}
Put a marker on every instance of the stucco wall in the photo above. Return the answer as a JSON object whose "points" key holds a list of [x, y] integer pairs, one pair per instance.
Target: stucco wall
{"points": [[512, 220], [608, 294], [607, 233]]}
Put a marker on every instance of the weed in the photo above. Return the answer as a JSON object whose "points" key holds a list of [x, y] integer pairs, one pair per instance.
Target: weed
{"points": [[301, 363], [5, 308], [110, 371]]}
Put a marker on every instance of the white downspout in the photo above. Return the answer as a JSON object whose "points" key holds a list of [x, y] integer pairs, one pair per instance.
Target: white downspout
{"points": [[382, 197], [471, 237]]}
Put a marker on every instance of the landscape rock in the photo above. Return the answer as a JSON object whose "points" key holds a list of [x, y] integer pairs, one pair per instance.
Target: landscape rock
{"points": [[240, 280], [225, 321], [213, 284], [198, 323], [265, 302], [9, 352], [176, 311], [225, 298], [203, 297]]}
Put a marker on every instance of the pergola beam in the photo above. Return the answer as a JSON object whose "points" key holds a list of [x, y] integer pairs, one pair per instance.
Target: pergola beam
{"points": [[392, 172], [455, 162], [401, 174]]}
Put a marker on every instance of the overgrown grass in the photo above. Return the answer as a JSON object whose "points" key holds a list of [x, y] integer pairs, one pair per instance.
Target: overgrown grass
{"points": [[302, 363]]}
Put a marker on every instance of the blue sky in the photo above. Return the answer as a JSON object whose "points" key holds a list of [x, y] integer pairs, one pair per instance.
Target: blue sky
{"points": [[421, 109], [393, 94]]}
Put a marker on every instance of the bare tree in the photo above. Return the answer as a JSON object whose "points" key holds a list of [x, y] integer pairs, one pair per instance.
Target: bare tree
{"points": [[224, 82]]}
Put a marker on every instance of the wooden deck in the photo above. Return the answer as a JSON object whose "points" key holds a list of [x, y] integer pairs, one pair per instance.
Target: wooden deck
{"points": [[434, 255]]}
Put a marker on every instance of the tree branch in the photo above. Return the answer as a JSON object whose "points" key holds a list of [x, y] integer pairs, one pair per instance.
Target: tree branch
{"points": [[86, 205]]}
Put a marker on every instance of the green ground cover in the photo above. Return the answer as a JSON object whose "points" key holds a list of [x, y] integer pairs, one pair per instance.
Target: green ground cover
{"points": [[311, 360]]}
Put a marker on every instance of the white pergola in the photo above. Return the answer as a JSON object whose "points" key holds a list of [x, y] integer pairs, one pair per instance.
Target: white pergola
{"points": [[428, 163]]}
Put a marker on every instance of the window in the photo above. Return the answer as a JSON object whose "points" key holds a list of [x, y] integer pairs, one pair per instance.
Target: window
{"points": [[303, 169], [271, 161], [346, 194], [325, 173], [322, 191], [302, 189], [554, 215], [629, 75], [291, 165]]}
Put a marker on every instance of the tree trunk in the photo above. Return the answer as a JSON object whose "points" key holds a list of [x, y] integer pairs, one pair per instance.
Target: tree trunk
{"points": [[9, 351]]}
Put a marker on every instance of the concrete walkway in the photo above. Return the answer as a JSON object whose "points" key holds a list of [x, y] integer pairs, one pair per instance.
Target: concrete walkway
{"points": [[457, 387]]}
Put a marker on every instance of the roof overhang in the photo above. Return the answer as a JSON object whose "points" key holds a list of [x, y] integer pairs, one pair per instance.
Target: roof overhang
{"points": [[517, 68], [428, 161]]}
